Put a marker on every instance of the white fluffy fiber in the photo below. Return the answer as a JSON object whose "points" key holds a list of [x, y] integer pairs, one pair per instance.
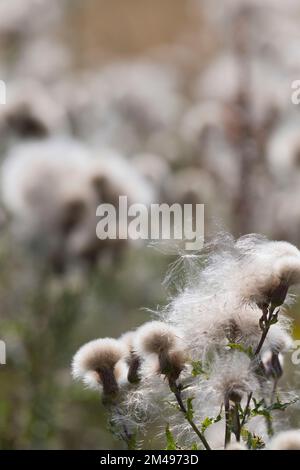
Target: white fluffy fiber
{"points": [[212, 312], [154, 337], [217, 304], [214, 307], [106, 353], [286, 440], [41, 180]]}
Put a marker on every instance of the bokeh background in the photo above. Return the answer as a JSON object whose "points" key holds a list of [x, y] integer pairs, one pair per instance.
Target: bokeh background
{"points": [[195, 98]]}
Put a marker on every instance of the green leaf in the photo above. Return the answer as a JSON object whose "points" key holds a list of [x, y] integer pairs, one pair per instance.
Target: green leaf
{"points": [[209, 421], [197, 368], [278, 405], [260, 408], [262, 412], [241, 348], [254, 442], [171, 444], [206, 423]]}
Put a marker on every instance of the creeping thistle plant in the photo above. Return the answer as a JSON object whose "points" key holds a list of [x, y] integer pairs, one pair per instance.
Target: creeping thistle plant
{"points": [[208, 371]]}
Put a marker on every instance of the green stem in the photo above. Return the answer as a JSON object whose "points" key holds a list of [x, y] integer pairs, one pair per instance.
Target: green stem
{"points": [[177, 392], [246, 410], [227, 422], [266, 321], [236, 422]]}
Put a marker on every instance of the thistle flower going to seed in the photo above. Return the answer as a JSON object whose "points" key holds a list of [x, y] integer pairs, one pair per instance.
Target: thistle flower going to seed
{"points": [[232, 377], [158, 338], [99, 365], [215, 320], [286, 274], [155, 337], [270, 269], [287, 440]]}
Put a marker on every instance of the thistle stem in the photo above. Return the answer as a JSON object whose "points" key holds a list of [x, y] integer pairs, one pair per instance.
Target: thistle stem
{"points": [[227, 422], [246, 410], [262, 339], [269, 425], [274, 391], [236, 423], [266, 321], [177, 392]]}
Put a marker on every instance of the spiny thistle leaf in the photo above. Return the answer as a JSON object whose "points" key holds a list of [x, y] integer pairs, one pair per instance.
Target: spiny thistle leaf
{"points": [[197, 368], [282, 406], [260, 408], [208, 422], [254, 442]]}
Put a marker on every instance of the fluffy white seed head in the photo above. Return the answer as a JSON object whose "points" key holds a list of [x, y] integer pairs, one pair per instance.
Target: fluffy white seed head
{"points": [[287, 269], [97, 354], [93, 380], [156, 337], [268, 269], [231, 376], [99, 361], [31, 113], [52, 188], [218, 304], [274, 249], [161, 340], [287, 440]]}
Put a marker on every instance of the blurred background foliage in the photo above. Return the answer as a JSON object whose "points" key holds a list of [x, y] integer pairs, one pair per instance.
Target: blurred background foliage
{"points": [[198, 101]]}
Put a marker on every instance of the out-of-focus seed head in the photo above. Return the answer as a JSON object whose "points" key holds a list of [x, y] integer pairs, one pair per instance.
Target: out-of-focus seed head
{"points": [[287, 440]]}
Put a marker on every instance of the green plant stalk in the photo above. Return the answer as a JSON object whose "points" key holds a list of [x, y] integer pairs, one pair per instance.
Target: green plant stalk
{"points": [[177, 392], [266, 321], [227, 422], [236, 423]]}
